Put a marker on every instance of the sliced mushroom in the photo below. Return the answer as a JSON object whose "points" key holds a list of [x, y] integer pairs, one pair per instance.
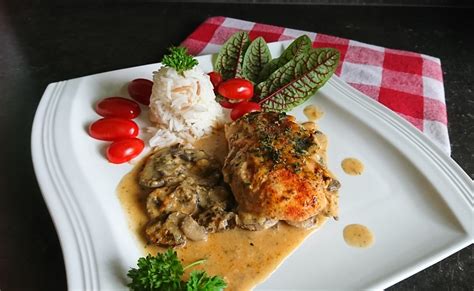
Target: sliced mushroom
{"points": [[192, 229], [251, 222], [163, 168], [167, 233], [171, 165], [215, 219], [334, 185], [218, 196], [182, 198], [308, 223]]}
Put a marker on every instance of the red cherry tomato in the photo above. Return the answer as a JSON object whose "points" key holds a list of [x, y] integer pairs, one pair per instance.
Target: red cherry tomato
{"points": [[124, 150], [140, 90], [113, 128], [118, 107], [227, 104], [243, 108], [216, 78], [236, 89]]}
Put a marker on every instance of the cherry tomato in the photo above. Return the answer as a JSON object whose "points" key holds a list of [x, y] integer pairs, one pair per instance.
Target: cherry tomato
{"points": [[140, 90], [113, 128], [243, 108], [124, 150], [118, 107], [227, 104], [236, 89], [216, 78]]}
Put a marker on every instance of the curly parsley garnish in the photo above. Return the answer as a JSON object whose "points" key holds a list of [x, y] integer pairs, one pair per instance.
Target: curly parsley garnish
{"points": [[164, 272], [179, 60]]}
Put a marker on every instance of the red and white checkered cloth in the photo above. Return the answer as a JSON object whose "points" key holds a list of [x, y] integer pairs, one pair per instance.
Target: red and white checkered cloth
{"points": [[411, 84]]}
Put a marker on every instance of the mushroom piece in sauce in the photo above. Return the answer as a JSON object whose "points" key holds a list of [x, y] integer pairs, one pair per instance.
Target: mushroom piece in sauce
{"points": [[188, 198], [251, 222]]}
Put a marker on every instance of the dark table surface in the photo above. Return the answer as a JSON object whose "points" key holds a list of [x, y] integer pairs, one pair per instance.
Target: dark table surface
{"points": [[42, 43]]}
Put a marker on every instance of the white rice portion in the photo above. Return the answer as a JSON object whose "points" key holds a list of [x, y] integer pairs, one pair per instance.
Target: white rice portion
{"points": [[182, 108]]}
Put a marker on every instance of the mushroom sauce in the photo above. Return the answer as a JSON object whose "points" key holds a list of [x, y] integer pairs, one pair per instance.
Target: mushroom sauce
{"points": [[244, 258]]}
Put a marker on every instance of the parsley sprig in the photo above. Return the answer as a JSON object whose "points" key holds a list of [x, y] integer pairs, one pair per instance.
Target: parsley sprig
{"points": [[179, 60], [164, 272]]}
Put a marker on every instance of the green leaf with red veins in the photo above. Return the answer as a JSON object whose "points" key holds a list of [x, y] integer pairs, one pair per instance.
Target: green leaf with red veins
{"points": [[299, 46], [297, 80], [229, 60], [256, 57]]}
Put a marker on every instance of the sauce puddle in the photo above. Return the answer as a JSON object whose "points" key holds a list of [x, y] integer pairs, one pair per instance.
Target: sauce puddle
{"points": [[312, 112], [244, 258], [352, 166], [358, 235]]}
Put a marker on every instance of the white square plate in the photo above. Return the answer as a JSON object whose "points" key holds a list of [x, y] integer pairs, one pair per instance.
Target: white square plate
{"points": [[417, 201]]}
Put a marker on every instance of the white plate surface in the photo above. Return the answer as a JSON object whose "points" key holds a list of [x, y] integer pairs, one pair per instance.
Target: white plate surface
{"points": [[417, 201]]}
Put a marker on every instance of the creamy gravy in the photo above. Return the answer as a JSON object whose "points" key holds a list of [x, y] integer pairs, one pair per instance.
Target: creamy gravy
{"points": [[312, 112], [214, 145], [358, 235], [243, 258], [310, 125], [352, 166]]}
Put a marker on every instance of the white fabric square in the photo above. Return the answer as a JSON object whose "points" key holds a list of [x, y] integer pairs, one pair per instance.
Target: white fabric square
{"points": [[361, 74], [433, 89], [210, 49], [295, 33], [437, 132], [369, 46], [237, 23], [436, 60]]}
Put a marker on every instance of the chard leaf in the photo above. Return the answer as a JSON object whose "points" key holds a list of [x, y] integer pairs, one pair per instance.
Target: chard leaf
{"points": [[297, 80], [268, 69], [256, 56], [230, 57], [300, 45]]}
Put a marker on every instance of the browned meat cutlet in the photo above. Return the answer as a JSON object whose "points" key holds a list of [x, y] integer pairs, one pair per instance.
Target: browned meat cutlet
{"points": [[276, 169]]}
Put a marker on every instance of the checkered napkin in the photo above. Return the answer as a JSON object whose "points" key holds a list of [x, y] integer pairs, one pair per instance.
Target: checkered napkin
{"points": [[411, 84]]}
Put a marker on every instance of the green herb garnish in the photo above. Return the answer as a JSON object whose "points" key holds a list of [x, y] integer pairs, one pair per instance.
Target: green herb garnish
{"points": [[284, 82], [164, 272], [255, 58], [179, 60], [297, 80], [200, 281], [299, 46], [231, 55]]}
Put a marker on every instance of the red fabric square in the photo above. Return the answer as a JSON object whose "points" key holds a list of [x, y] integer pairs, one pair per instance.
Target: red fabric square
{"points": [[369, 90], [403, 63], [409, 83], [323, 40], [432, 69], [435, 110], [269, 32], [216, 20], [401, 102], [402, 53], [204, 32], [363, 55], [194, 46], [223, 34]]}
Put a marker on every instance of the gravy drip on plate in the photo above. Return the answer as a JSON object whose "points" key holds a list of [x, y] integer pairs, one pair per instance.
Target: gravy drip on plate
{"points": [[214, 145], [352, 166], [312, 112], [244, 258], [358, 235]]}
